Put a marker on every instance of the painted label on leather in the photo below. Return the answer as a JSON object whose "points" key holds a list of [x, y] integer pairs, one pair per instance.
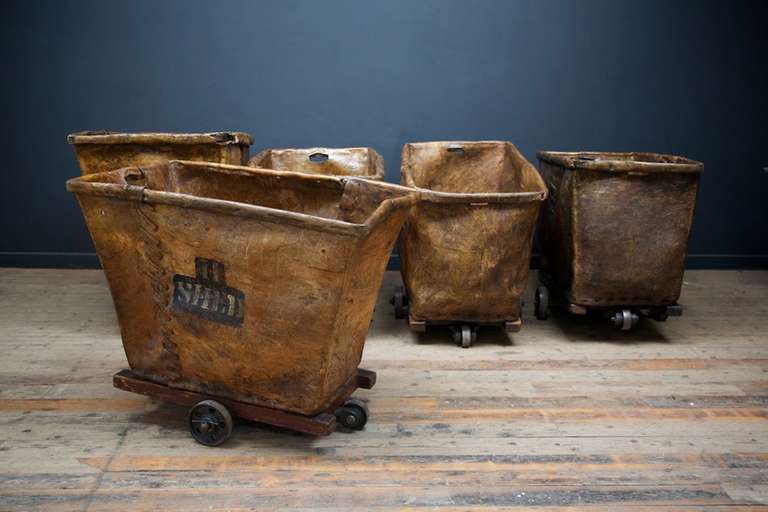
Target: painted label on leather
{"points": [[206, 295]]}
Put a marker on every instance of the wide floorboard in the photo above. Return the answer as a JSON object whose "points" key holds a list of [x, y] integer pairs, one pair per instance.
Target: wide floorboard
{"points": [[564, 414]]}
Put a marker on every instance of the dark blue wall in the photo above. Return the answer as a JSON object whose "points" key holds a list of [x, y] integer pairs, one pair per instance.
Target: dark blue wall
{"points": [[684, 77]]}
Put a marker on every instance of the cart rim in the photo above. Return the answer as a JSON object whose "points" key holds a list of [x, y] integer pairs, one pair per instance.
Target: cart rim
{"points": [[109, 137], [479, 199], [472, 198], [375, 170], [89, 185], [639, 162]]}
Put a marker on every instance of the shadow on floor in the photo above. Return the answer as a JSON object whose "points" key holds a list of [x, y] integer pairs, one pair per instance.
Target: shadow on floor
{"points": [[171, 420], [594, 327], [443, 335]]}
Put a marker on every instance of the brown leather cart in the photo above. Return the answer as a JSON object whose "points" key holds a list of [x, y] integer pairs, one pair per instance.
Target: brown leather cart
{"points": [[360, 162], [101, 151], [244, 290], [615, 233], [466, 247]]}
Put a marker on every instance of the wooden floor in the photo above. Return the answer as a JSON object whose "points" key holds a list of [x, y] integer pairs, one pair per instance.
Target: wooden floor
{"points": [[564, 414]]}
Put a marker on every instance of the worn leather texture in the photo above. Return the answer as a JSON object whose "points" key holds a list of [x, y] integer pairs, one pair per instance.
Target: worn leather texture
{"points": [[616, 225], [239, 282], [107, 151], [466, 247], [362, 162]]}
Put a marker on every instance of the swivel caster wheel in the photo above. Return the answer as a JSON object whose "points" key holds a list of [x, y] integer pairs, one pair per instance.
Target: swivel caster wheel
{"points": [[541, 303], [465, 336], [210, 423], [353, 414], [400, 301], [625, 319]]}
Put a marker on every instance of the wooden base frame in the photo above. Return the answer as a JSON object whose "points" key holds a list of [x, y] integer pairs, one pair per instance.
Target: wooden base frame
{"points": [[321, 424], [509, 326], [549, 297], [464, 333]]}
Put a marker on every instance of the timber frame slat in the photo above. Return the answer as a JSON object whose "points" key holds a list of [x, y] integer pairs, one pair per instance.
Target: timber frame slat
{"points": [[321, 424]]}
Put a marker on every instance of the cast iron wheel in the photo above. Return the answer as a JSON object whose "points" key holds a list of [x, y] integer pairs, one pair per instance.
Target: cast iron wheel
{"points": [[210, 423], [353, 415], [625, 319], [541, 303], [464, 336], [400, 301]]}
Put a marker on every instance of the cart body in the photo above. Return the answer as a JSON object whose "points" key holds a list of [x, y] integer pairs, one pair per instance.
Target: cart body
{"points": [[466, 246], [616, 226], [107, 151], [241, 283], [361, 162]]}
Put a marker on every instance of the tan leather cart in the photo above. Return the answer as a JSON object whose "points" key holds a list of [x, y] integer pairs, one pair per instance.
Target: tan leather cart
{"points": [[362, 162], [106, 151], [242, 289], [466, 247], [615, 233]]}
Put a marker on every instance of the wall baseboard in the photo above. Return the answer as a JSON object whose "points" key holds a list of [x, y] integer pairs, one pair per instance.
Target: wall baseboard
{"points": [[727, 261], [90, 260], [49, 260]]}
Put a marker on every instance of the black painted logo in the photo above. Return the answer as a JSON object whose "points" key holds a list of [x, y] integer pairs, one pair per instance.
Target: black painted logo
{"points": [[207, 295]]}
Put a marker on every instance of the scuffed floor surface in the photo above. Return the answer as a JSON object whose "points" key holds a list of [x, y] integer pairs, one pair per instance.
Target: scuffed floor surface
{"points": [[564, 414]]}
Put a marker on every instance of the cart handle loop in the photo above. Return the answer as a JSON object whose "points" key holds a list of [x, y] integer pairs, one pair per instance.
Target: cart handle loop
{"points": [[318, 157], [137, 189]]}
